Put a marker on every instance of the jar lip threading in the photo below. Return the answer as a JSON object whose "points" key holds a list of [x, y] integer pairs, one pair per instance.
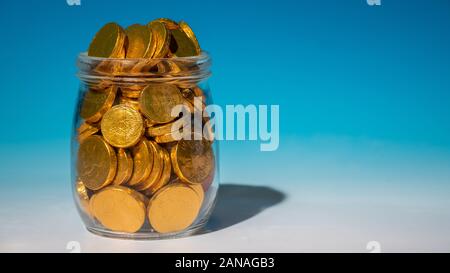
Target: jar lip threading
{"points": [[140, 70]]}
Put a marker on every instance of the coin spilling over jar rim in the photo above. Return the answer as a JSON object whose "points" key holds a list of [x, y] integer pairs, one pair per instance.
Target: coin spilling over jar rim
{"points": [[133, 175]]}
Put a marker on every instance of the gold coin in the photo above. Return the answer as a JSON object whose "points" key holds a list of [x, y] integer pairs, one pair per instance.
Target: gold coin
{"points": [[96, 103], [193, 160], [173, 208], [164, 129], [158, 100], [124, 167], [97, 163], [122, 126], [157, 167], [140, 42], [142, 162], [170, 24], [165, 175], [119, 209], [162, 37], [186, 44], [181, 45], [198, 188], [108, 42], [83, 197]]}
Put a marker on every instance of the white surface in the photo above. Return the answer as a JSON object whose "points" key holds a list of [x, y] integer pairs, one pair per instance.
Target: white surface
{"points": [[310, 205]]}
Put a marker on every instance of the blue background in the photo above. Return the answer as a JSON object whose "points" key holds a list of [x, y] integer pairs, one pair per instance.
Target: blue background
{"points": [[364, 91]]}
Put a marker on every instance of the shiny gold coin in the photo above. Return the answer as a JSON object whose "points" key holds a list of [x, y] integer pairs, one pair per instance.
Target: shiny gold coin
{"points": [[122, 126], [140, 42], [187, 29], [158, 100], [165, 175], [97, 163], [162, 37], [170, 24], [173, 208], [108, 42], [119, 209], [96, 103], [181, 45], [164, 129], [193, 160], [157, 167], [83, 197], [124, 167], [142, 162]]}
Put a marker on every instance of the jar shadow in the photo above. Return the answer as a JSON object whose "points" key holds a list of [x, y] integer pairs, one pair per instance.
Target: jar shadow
{"points": [[237, 203]]}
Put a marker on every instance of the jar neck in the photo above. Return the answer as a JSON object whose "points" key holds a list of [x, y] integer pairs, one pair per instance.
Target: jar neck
{"points": [[93, 70]]}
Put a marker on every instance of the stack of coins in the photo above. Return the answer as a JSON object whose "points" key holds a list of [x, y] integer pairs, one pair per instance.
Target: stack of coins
{"points": [[130, 167]]}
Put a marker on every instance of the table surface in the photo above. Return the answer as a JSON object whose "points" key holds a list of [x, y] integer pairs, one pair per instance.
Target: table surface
{"points": [[337, 196]]}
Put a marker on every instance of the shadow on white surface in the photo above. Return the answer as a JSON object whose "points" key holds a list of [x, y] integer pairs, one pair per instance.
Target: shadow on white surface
{"points": [[237, 203]]}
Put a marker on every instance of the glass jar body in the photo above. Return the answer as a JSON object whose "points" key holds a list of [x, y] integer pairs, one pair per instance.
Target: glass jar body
{"points": [[139, 168]]}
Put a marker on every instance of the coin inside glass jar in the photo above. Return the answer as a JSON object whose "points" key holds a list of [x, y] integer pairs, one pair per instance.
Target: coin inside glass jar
{"points": [[119, 209], [173, 208], [124, 167], [157, 101], [96, 103], [97, 162], [122, 126], [193, 160]]}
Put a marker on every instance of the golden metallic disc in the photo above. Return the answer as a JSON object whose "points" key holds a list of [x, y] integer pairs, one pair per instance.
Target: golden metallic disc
{"points": [[193, 160], [122, 126], [164, 129], [157, 167], [170, 24], [158, 100], [139, 41], [97, 162], [96, 103], [83, 197], [165, 175], [119, 209], [124, 167], [181, 45], [198, 188], [187, 29], [162, 37], [142, 162], [108, 42], [173, 208]]}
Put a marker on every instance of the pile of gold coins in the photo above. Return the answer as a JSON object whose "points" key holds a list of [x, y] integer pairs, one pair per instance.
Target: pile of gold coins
{"points": [[132, 173]]}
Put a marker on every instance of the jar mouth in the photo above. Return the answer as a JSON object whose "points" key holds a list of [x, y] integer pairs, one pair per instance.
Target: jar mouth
{"points": [[93, 70]]}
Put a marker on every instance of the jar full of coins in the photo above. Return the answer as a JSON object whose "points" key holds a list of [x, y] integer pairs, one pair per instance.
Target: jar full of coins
{"points": [[144, 159]]}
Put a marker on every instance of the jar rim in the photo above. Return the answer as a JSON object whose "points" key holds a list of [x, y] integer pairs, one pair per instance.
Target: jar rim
{"points": [[204, 55], [142, 70]]}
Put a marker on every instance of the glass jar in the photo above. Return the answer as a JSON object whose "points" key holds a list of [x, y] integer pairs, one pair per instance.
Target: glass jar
{"points": [[140, 168]]}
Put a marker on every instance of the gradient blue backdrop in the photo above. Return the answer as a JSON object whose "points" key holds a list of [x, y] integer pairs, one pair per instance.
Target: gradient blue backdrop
{"points": [[347, 76]]}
